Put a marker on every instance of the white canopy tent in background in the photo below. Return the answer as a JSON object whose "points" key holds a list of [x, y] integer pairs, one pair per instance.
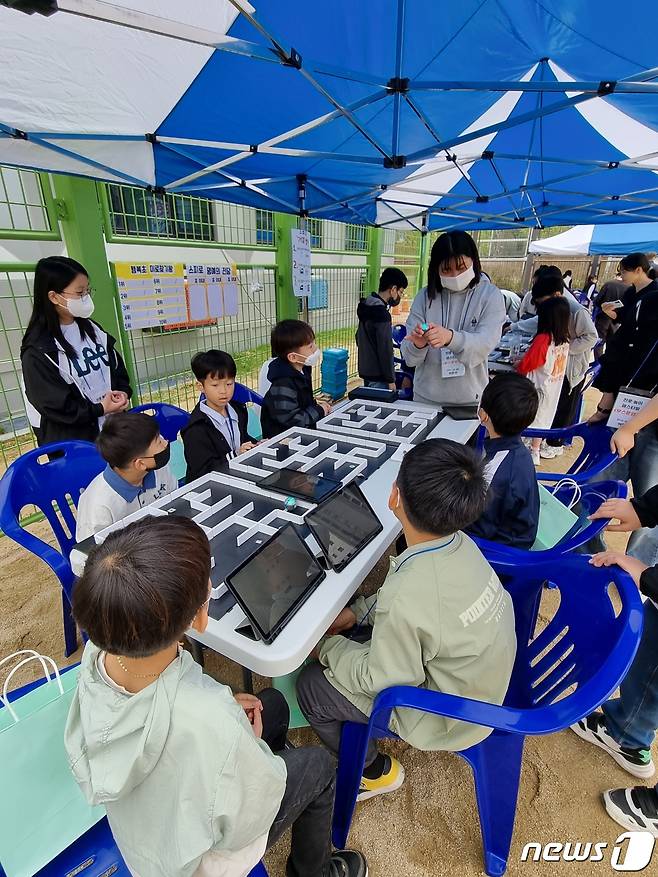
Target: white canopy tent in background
{"points": [[604, 240], [408, 114]]}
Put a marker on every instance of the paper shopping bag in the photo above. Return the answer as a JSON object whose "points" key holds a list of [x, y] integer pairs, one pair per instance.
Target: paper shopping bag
{"points": [[555, 521]]}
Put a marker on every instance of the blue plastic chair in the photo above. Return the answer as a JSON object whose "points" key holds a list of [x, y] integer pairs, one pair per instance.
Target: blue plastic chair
{"points": [[51, 478], [585, 645], [245, 394], [591, 497], [590, 376], [171, 419], [595, 455]]}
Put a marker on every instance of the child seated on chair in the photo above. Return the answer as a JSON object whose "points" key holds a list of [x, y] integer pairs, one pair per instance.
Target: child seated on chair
{"points": [[217, 429], [511, 517], [441, 620], [137, 472], [289, 400], [184, 769]]}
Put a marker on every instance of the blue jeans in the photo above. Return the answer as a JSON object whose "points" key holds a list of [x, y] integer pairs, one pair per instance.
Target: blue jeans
{"points": [[640, 467], [632, 718]]}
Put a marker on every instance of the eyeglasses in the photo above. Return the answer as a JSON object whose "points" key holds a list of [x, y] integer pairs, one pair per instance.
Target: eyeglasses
{"points": [[88, 291]]}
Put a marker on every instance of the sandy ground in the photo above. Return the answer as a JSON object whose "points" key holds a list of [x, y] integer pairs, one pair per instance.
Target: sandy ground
{"points": [[430, 826]]}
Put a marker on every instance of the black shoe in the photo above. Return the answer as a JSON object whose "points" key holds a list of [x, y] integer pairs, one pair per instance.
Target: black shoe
{"points": [[637, 762], [348, 863], [635, 809]]}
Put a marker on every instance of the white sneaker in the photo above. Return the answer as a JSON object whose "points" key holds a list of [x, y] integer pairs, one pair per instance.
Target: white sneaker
{"points": [[535, 456], [548, 452]]}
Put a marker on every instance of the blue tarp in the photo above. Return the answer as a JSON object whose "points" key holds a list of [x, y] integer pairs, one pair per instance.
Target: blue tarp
{"points": [[407, 113]]}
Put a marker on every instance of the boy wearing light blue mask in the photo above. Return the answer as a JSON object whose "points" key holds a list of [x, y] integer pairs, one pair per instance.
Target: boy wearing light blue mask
{"points": [[290, 401]]}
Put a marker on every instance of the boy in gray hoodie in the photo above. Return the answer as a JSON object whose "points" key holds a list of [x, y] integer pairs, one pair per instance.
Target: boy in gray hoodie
{"points": [[190, 785]]}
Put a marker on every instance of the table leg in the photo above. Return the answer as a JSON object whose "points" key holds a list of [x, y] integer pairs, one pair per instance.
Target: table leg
{"points": [[247, 681]]}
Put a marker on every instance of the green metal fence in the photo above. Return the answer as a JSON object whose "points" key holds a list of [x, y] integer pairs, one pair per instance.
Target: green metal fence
{"points": [[335, 322], [27, 208]]}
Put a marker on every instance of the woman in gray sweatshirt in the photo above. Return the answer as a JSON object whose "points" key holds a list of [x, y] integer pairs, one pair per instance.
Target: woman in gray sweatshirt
{"points": [[454, 324]]}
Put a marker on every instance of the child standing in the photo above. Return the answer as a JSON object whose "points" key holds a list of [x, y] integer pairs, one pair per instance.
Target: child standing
{"points": [[374, 338], [545, 362], [184, 770], [137, 472], [289, 400], [217, 429], [509, 405], [440, 621]]}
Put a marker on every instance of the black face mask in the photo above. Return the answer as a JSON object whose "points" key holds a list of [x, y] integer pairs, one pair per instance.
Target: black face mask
{"points": [[394, 302], [162, 458]]}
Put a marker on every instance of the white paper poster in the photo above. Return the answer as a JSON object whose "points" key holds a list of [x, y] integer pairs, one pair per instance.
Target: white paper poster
{"points": [[151, 294], [301, 262]]}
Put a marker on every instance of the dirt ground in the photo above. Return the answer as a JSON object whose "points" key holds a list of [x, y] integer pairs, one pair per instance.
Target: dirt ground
{"points": [[430, 826]]}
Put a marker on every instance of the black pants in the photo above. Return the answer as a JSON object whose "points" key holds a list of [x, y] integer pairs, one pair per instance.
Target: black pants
{"points": [[565, 413], [308, 801]]}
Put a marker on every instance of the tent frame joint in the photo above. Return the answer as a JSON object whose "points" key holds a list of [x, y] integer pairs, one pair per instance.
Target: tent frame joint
{"points": [[398, 85], [395, 162], [606, 86], [291, 58], [151, 138]]}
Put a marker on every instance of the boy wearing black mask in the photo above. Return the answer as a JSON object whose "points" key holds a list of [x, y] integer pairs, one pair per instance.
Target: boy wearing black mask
{"points": [[374, 339]]}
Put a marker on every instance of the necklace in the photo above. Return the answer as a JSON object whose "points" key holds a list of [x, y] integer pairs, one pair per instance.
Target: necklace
{"points": [[136, 675]]}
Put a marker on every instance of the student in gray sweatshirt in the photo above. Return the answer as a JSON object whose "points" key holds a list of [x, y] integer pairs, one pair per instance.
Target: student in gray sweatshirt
{"points": [[454, 324]]}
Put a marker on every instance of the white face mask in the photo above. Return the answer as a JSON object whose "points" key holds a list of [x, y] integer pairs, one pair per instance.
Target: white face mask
{"points": [[458, 283], [82, 306], [314, 359]]}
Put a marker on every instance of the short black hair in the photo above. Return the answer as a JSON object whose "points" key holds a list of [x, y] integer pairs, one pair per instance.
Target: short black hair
{"points": [[213, 364], [392, 277], [511, 401], [547, 284], [289, 335], [126, 435], [548, 271], [448, 246], [442, 486], [637, 260], [142, 587]]}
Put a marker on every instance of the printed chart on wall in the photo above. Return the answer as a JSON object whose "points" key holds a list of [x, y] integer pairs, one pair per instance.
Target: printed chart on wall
{"points": [[301, 262], [174, 295]]}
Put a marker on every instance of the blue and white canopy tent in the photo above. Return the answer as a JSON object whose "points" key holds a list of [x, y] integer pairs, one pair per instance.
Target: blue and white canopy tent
{"points": [[603, 240], [399, 113]]}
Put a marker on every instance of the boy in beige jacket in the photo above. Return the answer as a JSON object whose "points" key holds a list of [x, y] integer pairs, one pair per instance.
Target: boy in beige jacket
{"points": [[440, 621]]}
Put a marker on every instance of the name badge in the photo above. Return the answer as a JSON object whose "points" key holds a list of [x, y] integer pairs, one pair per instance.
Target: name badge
{"points": [[628, 403], [451, 367]]}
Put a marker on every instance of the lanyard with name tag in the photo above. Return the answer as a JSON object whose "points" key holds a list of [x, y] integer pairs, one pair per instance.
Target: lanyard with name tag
{"points": [[630, 400], [451, 367]]}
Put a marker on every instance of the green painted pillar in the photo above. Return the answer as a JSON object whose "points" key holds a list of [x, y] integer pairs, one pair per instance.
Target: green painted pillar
{"points": [[423, 259], [82, 226], [374, 263], [286, 303]]}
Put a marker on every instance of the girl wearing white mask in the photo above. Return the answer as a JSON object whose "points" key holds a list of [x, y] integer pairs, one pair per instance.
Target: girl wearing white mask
{"points": [[72, 374], [454, 324]]}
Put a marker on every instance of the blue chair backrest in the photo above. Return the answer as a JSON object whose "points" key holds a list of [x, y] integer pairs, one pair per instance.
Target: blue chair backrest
{"points": [[50, 478], [171, 419], [399, 333], [583, 644], [591, 497], [595, 455], [244, 395]]}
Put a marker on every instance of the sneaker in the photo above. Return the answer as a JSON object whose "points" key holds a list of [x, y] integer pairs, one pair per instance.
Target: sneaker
{"points": [[391, 779], [548, 452], [635, 809], [535, 456], [635, 761], [348, 863]]}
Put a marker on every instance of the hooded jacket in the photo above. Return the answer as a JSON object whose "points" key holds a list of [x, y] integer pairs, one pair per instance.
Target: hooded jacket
{"points": [[582, 338], [374, 340], [60, 410], [289, 401], [476, 317], [206, 449], [178, 769]]}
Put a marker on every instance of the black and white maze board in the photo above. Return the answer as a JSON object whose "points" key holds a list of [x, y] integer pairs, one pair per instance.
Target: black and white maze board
{"points": [[342, 458], [382, 420], [236, 516]]}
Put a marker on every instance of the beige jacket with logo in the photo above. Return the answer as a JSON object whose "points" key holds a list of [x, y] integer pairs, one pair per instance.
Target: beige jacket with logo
{"points": [[441, 621]]}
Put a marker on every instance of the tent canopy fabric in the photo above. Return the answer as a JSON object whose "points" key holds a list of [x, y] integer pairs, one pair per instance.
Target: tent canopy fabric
{"points": [[603, 240], [399, 113]]}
